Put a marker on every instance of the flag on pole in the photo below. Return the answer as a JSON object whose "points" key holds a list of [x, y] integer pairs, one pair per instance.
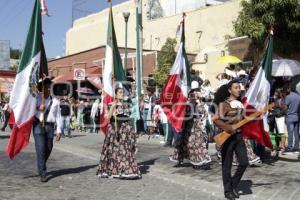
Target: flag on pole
{"points": [[257, 97], [24, 93], [175, 93], [44, 7], [113, 69]]}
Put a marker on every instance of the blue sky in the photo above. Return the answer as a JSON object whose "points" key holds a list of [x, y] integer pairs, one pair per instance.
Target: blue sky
{"points": [[15, 17]]}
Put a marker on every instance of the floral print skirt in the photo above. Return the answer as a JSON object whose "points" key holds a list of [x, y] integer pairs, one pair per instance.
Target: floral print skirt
{"points": [[253, 158], [192, 147], [117, 158]]}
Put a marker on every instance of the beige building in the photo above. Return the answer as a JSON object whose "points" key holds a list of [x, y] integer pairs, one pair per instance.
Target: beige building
{"points": [[207, 28]]}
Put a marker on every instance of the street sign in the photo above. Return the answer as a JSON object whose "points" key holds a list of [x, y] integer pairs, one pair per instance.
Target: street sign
{"points": [[79, 74]]}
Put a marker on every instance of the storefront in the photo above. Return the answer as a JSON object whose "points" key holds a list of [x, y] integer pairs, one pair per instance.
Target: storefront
{"points": [[7, 78], [91, 62]]}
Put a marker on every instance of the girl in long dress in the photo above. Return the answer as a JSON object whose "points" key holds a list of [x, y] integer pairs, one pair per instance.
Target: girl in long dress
{"points": [[192, 145], [118, 152]]}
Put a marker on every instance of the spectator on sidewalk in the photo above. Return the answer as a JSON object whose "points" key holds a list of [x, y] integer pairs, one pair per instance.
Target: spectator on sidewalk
{"points": [[161, 119], [65, 117], [279, 112], [6, 111], [94, 110], [223, 79], [73, 120], [195, 76], [87, 115], [149, 110], [97, 119], [80, 115], [292, 101]]}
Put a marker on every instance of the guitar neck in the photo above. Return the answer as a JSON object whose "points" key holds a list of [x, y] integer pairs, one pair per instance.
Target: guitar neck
{"points": [[253, 116]]}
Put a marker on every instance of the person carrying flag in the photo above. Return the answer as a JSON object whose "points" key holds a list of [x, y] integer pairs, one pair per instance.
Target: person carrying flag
{"points": [[32, 107], [47, 116], [118, 151]]}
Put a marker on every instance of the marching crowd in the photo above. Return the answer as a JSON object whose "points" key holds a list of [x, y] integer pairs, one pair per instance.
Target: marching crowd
{"points": [[201, 124]]}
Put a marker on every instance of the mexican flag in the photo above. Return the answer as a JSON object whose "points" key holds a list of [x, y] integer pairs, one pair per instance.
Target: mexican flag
{"points": [[23, 100], [257, 97], [175, 93], [113, 71]]}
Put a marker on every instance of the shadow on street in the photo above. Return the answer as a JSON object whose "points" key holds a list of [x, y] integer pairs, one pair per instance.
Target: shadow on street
{"points": [[145, 166], [61, 172], [4, 136]]}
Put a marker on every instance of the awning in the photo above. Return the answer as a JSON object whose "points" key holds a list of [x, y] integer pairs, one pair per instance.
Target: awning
{"points": [[6, 84], [95, 81], [90, 72]]}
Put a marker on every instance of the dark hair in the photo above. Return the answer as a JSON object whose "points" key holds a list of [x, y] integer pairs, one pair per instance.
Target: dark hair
{"points": [[231, 66], [279, 92], [118, 88], [289, 88], [221, 95], [229, 85], [293, 87], [240, 65]]}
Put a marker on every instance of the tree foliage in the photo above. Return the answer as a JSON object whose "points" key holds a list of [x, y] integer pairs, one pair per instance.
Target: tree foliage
{"points": [[165, 59], [15, 53], [257, 16]]}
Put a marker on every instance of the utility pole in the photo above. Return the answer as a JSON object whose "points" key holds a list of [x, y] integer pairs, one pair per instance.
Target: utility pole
{"points": [[139, 48], [126, 17]]}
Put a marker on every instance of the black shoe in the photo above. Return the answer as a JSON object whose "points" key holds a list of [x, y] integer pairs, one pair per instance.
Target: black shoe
{"points": [[44, 179], [179, 164], [235, 192], [230, 196]]}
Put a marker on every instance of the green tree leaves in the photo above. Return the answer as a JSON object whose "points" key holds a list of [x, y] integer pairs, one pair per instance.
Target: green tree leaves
{"points": [[257, 16], [165, 59]]}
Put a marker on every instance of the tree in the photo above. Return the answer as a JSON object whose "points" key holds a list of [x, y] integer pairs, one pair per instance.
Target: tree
{"points": [[258, 16], [165, 59], [15, 53]]}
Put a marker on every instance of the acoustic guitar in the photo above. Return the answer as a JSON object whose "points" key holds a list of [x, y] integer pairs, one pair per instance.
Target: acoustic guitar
{"points": [[222, 137]]}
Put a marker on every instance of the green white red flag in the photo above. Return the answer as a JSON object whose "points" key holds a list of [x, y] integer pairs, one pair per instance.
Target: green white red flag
{"points": [[257, 97], [113, 71], [23, 99], [175, 93]]}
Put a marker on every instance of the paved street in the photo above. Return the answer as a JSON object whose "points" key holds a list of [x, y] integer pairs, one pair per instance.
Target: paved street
{"points": [[72, 167]]}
